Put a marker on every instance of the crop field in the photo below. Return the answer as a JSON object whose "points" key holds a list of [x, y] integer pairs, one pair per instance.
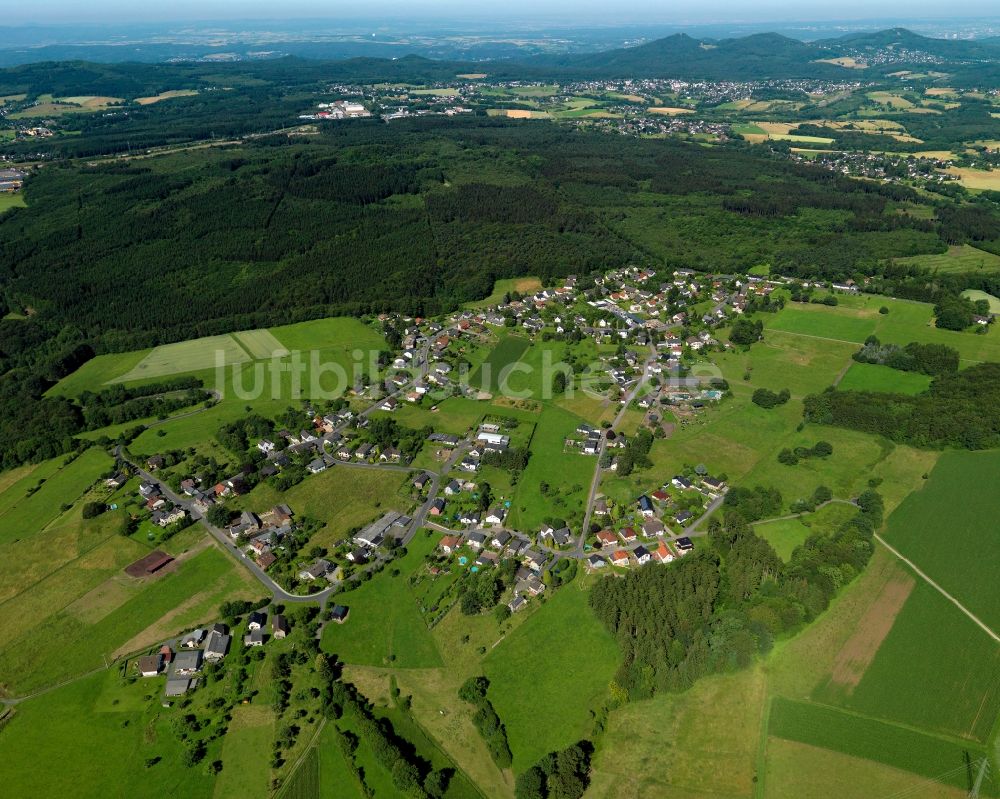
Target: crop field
{"points": [[958, 258], [70, 623], [385, 626], [976, 295], [931, 642], [491, 375], [186, 356], [260, 344], [872, 377], [786, 534], [795, 770], [331, 340], [976, 178], [949, 529], [167, 95], [545, 703], [901, 747]]}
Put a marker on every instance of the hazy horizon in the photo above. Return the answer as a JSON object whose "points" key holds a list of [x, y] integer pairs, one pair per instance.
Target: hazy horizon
{"points": [[563, 12]]}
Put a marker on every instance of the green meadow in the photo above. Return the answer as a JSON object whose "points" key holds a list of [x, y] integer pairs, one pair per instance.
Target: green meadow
{"points": [[385, 626], [489, 375], [958, 258], [41, 752], [69, 623], [550, 673], [787, 534], [28, 515], [872, 377]]}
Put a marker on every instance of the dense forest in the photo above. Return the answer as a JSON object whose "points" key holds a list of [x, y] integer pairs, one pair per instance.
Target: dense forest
{"points": [[720, 607], [960, 409], [417, 217]]}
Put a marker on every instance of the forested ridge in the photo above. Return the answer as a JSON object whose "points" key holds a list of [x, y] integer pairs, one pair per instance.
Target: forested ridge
{"points": [[417, 217]]}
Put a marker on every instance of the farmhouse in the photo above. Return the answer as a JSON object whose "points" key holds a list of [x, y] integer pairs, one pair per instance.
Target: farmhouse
{"points": [[187, 662], [217, 643], [150, 665]]}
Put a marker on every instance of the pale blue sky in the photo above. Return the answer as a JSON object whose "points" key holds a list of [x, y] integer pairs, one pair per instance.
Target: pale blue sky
{"points": [[562, 11]]}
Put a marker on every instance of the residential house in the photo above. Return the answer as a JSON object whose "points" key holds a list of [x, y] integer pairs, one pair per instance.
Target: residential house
{"points": [[450, 543], [279, 626], [652, 528], [628, 534], [150, 665], [642, 555], [516, 604], [314, 572], [257, 620], [476, 540], [217, 643], [193, 639], [437, 507], [339, 613], [620, 558], [606, 538], [645, 506], [496, 515], [663, 553], [596, 562], [254, 638]]}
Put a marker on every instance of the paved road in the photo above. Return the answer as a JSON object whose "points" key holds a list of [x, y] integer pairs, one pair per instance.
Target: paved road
{"points": [[596, 481]]}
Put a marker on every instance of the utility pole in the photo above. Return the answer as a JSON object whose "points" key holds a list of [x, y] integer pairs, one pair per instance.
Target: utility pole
{"points": [[984, 770]]}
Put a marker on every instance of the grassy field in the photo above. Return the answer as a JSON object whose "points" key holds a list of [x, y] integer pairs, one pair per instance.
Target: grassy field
{"points": [[949, 529], [47, 732], [976, 295], [492, 374], [857, 317], [901, 747], [567, 475], [27, 516], [11, 200], [795, 770], [335, 777], [69, 623], [786, 534], [523, 285], [335, 340], [872, 377], [385, 626], [341, 497], [186, 356], [544, 700], [930, 643], [697, 744], [958, 258], [246, 771]]}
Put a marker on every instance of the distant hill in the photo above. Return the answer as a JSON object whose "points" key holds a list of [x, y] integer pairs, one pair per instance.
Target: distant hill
{"points": [[903, 39]]}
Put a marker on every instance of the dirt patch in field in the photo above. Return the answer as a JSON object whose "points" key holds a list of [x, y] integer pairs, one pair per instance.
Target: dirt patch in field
{"points": [[101, 600], [859, 650], [167, 625]]}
